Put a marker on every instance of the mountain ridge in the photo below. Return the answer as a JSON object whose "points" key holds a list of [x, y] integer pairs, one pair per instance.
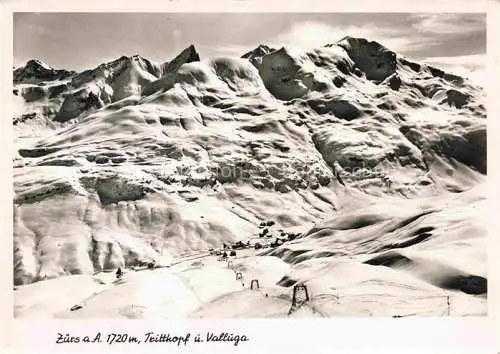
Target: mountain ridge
{"points": [[145, 161]]}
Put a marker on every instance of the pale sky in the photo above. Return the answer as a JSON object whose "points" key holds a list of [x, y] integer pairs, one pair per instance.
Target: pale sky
{"points": [[81, 41]]}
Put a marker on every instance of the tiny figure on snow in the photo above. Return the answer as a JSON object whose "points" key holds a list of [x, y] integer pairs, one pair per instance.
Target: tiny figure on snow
{"points": [[119, 273], [387, 182]]}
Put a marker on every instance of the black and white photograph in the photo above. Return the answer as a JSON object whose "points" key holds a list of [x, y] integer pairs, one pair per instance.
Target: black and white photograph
{"points": [[287, 165]]}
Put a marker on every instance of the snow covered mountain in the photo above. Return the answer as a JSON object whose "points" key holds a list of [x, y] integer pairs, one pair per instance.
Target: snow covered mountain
{"points": [[377, 160]]}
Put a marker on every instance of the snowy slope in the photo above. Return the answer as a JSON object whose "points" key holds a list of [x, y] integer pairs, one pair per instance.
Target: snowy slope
{"points": [[135, 161]]}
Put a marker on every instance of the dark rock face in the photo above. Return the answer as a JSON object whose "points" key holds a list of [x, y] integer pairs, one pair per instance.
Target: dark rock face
{"points": [[470, 284], [35, 71], [469, 149], [77, 103], [389, 259], [188, 55], [376, 61], [456, 98], [87, 76], [279, 72], [148, 65], [33, 93], [340, 108], [478, 143], [55, 91], [393, 81], [24, 118], [413, 66], [37, 152], [339, 81], [255, 56], [436, 72]]}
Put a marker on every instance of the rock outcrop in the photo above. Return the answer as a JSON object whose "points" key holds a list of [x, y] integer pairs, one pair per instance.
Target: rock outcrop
{"points": [[36, 71], [188, 55]]}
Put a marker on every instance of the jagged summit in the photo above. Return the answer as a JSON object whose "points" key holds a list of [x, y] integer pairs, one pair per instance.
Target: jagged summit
{"points": [[188, 55], [37, 64], [261, 50], [36, 71], [255, 55], [112, 69], [318, 75]]}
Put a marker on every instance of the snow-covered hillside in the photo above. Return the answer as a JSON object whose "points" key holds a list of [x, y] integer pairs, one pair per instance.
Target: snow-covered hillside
{"points": [[375, 161]]}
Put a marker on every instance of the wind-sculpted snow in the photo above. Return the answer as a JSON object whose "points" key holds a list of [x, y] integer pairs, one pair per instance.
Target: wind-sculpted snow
{"points": [[133, 162], [438, 240]]}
